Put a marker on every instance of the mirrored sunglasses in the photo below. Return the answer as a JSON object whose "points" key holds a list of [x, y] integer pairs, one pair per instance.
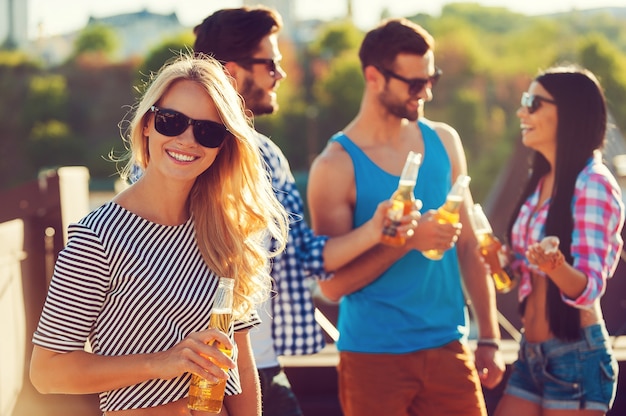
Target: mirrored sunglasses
{"points": [[172, 123], [533, 102]]}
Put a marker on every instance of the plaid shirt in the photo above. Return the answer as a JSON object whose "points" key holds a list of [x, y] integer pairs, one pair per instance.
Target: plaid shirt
{"points": [[598, 213], [294, 329]]}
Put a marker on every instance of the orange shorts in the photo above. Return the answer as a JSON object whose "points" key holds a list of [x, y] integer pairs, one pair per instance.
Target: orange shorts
{"points": [[439, 381]]}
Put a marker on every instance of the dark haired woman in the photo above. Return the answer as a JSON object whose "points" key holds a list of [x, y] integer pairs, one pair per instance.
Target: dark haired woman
{"points": [[565, 364]]}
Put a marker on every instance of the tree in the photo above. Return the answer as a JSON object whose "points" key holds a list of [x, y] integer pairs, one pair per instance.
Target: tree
{"points": [[335, 39], [603, 59], [96, 42], [338, 95], [163, 52], [50, 141], [46, 99], [16, 68]]}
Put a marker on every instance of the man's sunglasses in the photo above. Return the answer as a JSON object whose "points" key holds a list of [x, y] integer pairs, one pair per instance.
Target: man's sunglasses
{"points": [[416, 85], [171, 123], [271, 64], [533, 102]]}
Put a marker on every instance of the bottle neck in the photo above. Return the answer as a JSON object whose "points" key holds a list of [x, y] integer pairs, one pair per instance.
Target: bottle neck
{"points": [[405, 191], [224, 296]]}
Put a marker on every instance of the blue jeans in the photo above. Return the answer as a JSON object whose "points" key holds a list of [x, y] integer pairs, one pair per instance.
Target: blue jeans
{"points": [[557, 374], [277, 397]]}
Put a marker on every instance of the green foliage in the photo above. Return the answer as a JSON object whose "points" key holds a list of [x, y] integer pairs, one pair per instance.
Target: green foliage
{"points": [[17, 59], [15, 73], [335, 39], [338, 95], [98, 39], [488, 55], [50, 141], [468, 111], [163, 52], [609, 65], [99, 99], [51, 144], [486, 19], [47, 98]]}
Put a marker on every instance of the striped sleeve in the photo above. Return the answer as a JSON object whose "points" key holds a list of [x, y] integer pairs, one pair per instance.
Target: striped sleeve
{"points": [[248, 323], [76, 294]]}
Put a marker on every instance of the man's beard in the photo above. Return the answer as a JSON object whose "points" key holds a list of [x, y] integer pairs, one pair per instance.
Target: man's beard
{"points": [[255, 97], [395, 107]]}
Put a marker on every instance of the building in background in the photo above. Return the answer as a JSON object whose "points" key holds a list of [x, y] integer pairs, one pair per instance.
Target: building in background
{"points": [[137, 33], [13, 23]]}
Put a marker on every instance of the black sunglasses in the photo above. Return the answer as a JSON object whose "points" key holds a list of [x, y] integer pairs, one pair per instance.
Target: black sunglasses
{"points": [[533, 102], [271, 64], [172, 123], [415, 84]]}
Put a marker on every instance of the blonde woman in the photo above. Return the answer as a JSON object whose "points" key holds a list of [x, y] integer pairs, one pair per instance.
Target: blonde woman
{"points": [[138, 275]]}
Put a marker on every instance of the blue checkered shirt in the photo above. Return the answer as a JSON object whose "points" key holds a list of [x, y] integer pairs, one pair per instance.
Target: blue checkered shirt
{"points": [[294, 329]]}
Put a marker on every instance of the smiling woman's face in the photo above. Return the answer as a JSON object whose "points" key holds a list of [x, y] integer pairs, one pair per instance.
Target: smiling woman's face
{"points": [[181, 157], [539, 128]]}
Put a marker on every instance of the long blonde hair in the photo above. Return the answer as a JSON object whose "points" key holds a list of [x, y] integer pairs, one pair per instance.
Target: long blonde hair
{"points": [[234, 208]]}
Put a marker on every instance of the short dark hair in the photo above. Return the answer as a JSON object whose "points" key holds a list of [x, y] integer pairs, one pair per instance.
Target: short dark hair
{"points": [[382, 44], [233, 34]]}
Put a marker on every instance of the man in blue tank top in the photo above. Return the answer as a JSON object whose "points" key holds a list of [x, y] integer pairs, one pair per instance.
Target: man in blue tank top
{"points": [[403, 322], [245, 40]]}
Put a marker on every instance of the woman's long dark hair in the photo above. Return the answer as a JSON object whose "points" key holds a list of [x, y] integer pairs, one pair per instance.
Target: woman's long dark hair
{"points": [[582, 116]]}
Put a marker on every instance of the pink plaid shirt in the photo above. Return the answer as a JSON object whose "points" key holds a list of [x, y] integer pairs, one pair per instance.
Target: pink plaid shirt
{"points": [[598, 213]]}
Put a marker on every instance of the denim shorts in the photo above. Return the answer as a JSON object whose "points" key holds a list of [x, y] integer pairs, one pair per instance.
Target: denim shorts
{"points": [[558, 374]]}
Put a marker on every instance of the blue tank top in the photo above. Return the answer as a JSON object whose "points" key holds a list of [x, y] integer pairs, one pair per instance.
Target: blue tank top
{"points": [[417, 303]]}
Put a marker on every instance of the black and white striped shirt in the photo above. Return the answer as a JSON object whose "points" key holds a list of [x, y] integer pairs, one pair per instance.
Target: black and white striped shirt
{"points": [[130, 286]]}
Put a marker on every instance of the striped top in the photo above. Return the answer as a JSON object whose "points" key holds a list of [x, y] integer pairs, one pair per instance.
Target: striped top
{"points": [[598, 215], [130, 286]]}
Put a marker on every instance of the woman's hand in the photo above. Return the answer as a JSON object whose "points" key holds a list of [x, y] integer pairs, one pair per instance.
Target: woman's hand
{"points": [[198, 353], [81, 372], [545, 254]]}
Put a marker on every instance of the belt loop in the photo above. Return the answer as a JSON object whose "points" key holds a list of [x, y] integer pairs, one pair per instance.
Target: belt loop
{"points": [[589, 334]]}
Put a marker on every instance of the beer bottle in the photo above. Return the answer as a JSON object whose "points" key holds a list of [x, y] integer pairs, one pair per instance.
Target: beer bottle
{"points": [[205, 395], [490, 247], [448, 213], [402, 199]]}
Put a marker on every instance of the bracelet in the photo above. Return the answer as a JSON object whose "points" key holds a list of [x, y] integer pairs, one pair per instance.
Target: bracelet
{"points": [[554, 262], [489, 342]]}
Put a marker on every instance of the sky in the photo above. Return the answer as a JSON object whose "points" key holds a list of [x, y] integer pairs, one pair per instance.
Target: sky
{"points": [[62, 16]]}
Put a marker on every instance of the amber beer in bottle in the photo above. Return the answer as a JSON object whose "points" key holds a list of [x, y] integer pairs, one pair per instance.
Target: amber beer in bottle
{"points": [[205, 395], [490, 250], [448, 213], [402, 199]]}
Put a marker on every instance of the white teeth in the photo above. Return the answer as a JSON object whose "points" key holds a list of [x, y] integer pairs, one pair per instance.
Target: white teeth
{"points": [[181, 157]]}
